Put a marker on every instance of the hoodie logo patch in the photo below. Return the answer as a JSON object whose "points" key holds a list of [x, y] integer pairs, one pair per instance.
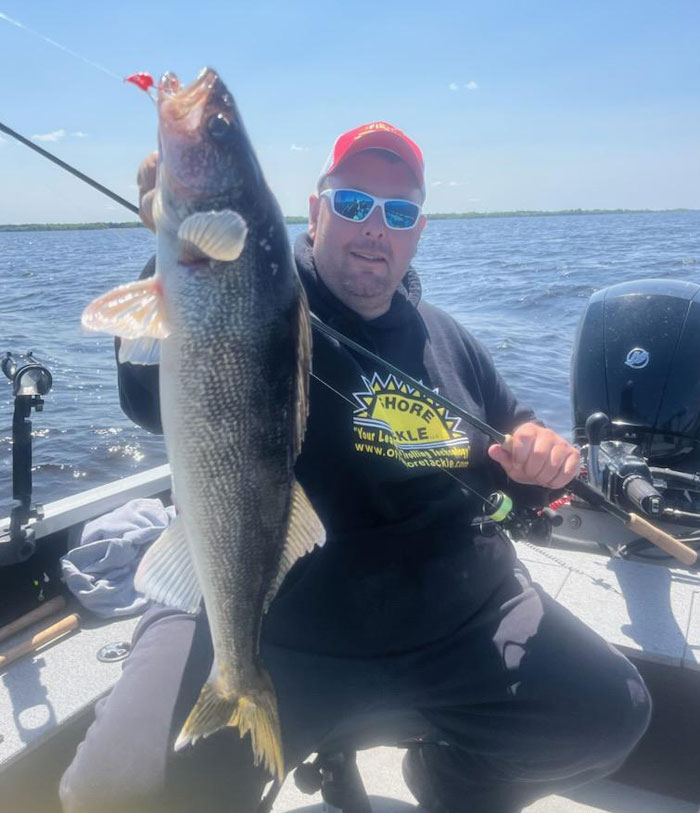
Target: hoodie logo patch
{"points": [[397, 421]]}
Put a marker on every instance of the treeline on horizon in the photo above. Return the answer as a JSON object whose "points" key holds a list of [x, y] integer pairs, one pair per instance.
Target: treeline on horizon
{"points": [[293, 219]]}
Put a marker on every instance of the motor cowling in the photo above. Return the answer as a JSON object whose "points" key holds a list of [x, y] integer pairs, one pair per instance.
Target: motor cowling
{"points": [[637, 359]]}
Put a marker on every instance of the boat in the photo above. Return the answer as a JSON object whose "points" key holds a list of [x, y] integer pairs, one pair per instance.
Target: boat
{"points": [[636, 406]]}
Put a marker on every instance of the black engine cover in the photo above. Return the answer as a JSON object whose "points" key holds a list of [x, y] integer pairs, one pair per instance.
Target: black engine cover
{"points": [[637, 358]]}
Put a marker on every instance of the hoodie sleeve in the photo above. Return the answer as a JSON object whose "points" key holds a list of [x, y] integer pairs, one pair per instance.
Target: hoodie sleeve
{"points": [[138, 383]]}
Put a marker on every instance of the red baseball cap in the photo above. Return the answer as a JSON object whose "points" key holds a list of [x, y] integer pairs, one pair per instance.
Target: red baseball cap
{"points": [[377, 135]]}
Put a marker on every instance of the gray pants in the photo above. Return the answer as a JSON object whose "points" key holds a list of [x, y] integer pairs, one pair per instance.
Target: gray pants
{"points": [[524, 700]]}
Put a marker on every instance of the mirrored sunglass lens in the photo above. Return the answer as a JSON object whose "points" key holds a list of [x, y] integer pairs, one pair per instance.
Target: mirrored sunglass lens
{"points": [[401, 214], [353, 205]]}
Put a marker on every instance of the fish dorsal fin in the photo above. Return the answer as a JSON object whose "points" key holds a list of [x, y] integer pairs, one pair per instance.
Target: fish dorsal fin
{"points": [[166, 574], [132, 311], [303, 370], [304, 532], [215, 235]]}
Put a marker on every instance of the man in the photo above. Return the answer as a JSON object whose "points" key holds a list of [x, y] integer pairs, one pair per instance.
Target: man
{"points": [[407, 621]]}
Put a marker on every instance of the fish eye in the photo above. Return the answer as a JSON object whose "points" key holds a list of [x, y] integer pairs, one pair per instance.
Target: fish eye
{"points": [[219, 127]]}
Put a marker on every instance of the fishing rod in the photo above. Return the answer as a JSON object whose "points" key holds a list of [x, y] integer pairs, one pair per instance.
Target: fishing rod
{"points": [[579, 488], [586, 492], [477, 423], [78, 174]]}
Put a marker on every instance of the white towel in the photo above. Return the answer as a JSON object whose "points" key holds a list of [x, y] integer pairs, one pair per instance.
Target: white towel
{"points": [[100, 570]]}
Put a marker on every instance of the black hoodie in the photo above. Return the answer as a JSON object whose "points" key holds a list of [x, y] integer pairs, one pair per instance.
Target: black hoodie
{"points": [[391, 474]]}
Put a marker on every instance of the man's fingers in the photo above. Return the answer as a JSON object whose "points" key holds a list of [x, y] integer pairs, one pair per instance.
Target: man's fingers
{"points": [[567, 471], [540, 465], [146, 179], [146, 210], [146, 175], [537, 456], [554, 459], [499, 454], [520, 448]]}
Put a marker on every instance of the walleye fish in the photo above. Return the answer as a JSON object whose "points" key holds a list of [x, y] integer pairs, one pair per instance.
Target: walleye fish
{"points": [[227, 308]]}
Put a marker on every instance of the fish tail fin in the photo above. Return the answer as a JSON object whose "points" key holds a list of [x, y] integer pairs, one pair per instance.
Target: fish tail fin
{"points": [[254, 712], [259, 717]]}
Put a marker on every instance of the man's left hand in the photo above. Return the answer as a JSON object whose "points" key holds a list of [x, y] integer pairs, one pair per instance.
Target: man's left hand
{"points": [[538, 457]]}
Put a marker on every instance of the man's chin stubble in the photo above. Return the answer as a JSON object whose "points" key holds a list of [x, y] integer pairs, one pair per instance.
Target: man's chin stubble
{"points": [[365, 291]]}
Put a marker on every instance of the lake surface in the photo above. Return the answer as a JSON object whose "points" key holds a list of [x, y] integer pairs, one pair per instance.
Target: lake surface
{"points": [[519, 284]]}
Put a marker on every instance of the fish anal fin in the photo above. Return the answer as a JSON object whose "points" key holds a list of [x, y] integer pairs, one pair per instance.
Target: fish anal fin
{"points": [[254, 713], [304, 532], [132, 311], [215, 235], [166, 573]]}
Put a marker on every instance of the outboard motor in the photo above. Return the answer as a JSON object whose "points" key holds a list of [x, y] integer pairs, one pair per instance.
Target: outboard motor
{"points": [[637, 360], [636, 407]]}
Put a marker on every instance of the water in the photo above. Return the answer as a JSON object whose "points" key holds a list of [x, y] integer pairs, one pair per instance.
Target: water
{"points": [[519, 284]]}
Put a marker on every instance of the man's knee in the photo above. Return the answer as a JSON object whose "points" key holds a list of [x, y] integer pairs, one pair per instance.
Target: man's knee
{"points": [[216, 775], [605, 717], [623, 719], [109, 774], [594, 706], [84, 791], [122, 762]]}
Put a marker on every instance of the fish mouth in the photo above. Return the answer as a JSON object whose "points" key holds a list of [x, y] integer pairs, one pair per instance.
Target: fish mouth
{"points": [[197, 127], [183, 108]]}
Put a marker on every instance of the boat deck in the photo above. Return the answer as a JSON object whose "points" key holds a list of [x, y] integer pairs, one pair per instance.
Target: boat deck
{"points": [[648, 611], [652, 613], [381, 773]]}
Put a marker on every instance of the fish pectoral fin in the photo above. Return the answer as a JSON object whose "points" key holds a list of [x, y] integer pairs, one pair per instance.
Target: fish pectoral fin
{"points": [[132, 311], [304, 532], [253, 713], [214, 235], [166, 573], [139, 351]]}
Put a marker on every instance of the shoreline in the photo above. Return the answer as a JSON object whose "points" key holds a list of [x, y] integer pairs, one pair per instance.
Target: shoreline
{"points": [[293, 219]]}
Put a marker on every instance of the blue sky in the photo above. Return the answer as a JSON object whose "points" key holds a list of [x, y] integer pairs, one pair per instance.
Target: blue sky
{"points": [[516, 105]]}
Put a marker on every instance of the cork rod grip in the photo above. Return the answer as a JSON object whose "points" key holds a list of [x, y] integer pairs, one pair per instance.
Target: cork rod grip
{"points": [[42, 611], [662, 540], [46, 636]]}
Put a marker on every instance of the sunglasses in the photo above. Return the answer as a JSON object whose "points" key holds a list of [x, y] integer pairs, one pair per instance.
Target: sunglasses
{"points": [[351, 204]]}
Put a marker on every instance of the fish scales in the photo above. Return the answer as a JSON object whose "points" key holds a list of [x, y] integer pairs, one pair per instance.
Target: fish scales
{"points": [[232, 323], [219, 450]]}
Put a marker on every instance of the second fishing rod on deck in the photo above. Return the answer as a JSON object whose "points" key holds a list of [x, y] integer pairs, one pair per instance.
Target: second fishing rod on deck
{"points": [[579, 488]]}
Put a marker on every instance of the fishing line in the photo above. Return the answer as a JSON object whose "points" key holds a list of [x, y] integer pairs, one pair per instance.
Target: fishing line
{"points": [[579, 488], [486, 500], [333, 389], [59, 46], [477, 423]]}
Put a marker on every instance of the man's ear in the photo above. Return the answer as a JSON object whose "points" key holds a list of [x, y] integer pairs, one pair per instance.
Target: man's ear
{"points": [[314, 207]]}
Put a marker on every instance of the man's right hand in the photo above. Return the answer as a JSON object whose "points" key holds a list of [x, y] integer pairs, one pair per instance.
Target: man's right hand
{"points": [[146, 180]]}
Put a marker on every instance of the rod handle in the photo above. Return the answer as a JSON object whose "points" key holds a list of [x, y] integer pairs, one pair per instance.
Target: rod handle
{"points": [[47, 608], [46, 636], [668, 543]]}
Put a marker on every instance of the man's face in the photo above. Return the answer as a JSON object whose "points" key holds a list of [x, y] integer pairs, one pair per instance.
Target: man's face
{"points": [[363, 263]]}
